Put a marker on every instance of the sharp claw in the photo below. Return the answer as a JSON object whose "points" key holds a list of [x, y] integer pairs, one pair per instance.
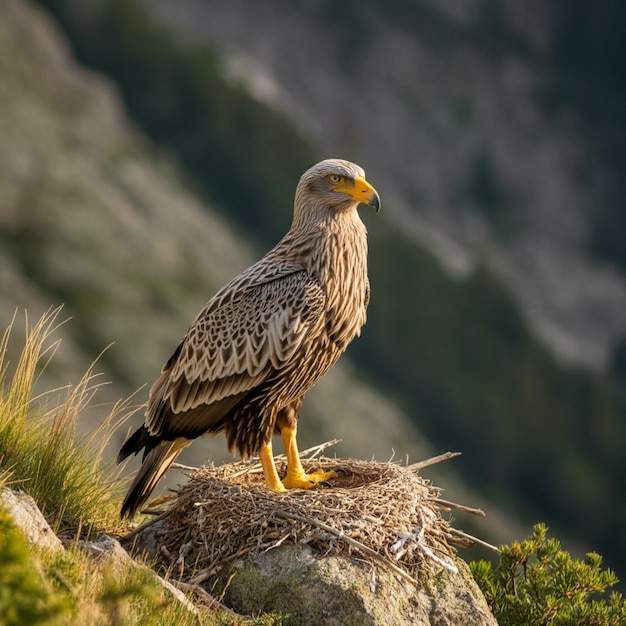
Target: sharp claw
{"points": [[341, 470], [325, 484]]}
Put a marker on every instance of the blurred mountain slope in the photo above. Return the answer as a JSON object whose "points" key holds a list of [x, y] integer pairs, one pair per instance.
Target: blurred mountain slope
{"points": [[91, 216]]}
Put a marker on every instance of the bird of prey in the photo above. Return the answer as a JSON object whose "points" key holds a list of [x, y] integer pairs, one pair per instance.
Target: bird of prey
{"points": [[265, 339]]}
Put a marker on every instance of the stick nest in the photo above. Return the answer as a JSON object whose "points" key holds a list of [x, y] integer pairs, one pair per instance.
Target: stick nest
{"points": [[375, 512]]}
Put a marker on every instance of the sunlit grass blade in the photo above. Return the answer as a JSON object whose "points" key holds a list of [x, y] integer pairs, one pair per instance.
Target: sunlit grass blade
{"points": [[39, 443]]}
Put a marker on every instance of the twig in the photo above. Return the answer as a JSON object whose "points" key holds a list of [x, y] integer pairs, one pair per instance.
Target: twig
{"points": [[353, 542], [432, 461], [147, 524], [475, 539], [429, 553], [187, 468], [459, 507], [253, 468], [204, 595], [315, 450], [177, 593], [207, 572], [152, 511], [400, 547]]}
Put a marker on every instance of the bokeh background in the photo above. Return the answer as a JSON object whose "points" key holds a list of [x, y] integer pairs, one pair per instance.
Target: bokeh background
{"points": [[149, 151]]}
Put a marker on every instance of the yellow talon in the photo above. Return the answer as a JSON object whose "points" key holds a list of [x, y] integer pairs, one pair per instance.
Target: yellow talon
{"points": [[296, 477], [302, 480]]}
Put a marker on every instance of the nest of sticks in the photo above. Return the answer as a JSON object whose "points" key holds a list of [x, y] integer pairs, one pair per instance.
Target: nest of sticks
{"points": [[380, 512]]}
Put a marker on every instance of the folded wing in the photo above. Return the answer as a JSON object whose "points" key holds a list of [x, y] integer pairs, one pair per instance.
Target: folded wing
{"points": [[235, 344]]}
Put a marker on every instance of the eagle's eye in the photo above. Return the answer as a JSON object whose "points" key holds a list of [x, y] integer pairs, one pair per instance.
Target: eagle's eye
{"points": [[335, 179]]}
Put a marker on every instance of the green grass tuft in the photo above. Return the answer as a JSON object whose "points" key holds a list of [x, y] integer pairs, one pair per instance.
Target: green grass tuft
{"points": [[39, 444]]}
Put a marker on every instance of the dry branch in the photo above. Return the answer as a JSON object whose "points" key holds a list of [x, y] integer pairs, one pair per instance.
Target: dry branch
{"points": [[464, 535], [432, 461], [459, 507]]}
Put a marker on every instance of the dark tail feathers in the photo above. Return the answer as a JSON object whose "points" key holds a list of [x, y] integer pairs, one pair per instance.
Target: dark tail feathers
{"points": [[157, 458], [136, 442]]}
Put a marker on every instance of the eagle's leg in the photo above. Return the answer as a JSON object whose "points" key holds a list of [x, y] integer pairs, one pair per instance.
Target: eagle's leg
{"points": [[272, 481], [296, 476]]}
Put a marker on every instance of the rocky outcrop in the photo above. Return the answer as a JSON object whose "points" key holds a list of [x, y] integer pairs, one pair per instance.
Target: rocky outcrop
{"points": [[374, 550], [28, 518], [333, 591], [106, 547], [26, 515]]}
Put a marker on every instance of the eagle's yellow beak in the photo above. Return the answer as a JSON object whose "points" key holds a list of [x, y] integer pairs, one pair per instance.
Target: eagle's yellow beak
{"points": [[361, 191]]}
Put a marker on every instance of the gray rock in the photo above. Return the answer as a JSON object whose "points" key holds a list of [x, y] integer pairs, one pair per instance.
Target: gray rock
{"points": [[106, 547], [334, 591], [29, 520]]}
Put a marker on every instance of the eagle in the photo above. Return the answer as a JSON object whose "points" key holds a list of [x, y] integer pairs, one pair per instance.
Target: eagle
{"points": [[262, 341]]}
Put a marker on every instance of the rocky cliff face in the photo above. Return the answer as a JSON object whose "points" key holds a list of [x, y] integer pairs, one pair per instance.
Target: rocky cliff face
{"points": [[442, 102]]}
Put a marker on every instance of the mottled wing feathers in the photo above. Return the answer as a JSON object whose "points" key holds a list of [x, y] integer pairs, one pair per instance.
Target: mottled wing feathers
{"points": [[245, 333]]}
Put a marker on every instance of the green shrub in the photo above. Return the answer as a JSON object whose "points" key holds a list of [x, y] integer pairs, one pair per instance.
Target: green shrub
{"points": [[538, 584]]}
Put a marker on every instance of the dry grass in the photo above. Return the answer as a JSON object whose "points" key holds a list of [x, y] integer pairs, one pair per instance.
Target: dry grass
{"points": [[110, 594], [376, 511], [39, 444]]}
